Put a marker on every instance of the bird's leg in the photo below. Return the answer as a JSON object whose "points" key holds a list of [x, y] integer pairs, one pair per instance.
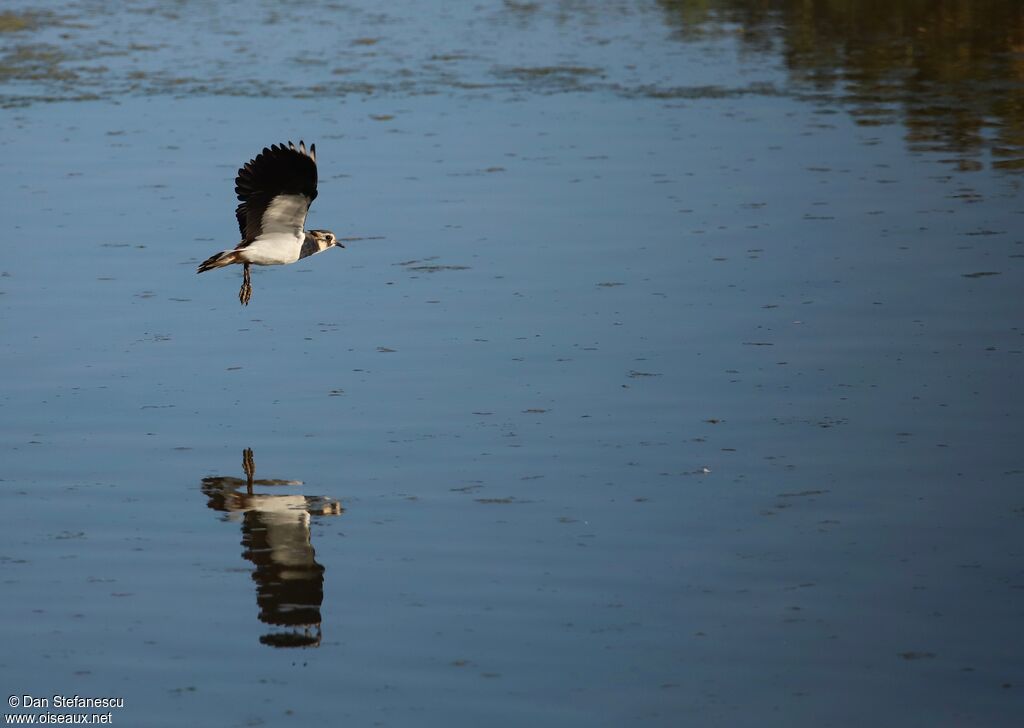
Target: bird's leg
{"points": [[249, 466], [246, 291]]}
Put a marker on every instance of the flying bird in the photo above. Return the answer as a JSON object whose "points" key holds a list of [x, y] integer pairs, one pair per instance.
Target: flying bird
{"points": [[276, 189]]}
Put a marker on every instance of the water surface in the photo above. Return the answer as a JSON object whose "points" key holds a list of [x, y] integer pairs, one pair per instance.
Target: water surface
{"points": [[675, 378]]}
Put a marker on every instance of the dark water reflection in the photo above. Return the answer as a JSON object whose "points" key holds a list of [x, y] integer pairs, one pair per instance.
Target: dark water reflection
{"points": [[952, 71], [276, 539]]}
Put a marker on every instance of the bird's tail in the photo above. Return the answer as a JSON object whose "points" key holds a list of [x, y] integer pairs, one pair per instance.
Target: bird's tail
{"points": [[218, 260]]}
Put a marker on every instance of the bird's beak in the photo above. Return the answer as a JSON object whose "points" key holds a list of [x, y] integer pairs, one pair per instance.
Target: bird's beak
{"points": [[339, 244]]}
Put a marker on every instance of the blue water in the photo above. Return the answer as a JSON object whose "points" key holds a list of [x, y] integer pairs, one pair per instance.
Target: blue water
{"points": [[629, 406]]}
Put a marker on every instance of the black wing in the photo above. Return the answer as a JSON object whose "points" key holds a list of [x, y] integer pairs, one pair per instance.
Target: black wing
{"points": [[276, 190]]}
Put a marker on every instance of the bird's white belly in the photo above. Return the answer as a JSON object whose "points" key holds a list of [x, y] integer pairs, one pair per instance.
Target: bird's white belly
{"points": [[273, 249]]}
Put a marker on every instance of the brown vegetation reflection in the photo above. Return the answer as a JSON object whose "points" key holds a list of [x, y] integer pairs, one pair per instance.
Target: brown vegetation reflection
{"points": [[952, 71], [276, 539]]}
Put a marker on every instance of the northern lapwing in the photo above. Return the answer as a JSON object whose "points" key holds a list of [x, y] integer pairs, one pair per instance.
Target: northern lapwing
{"points": [[276, 189]]}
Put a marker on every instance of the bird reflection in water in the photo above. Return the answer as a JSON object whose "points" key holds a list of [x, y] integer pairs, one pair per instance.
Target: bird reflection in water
{"points": [[276, 539]]}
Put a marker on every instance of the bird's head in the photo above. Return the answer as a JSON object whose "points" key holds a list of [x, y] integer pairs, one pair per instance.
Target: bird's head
{"points": [[325, 239]]}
